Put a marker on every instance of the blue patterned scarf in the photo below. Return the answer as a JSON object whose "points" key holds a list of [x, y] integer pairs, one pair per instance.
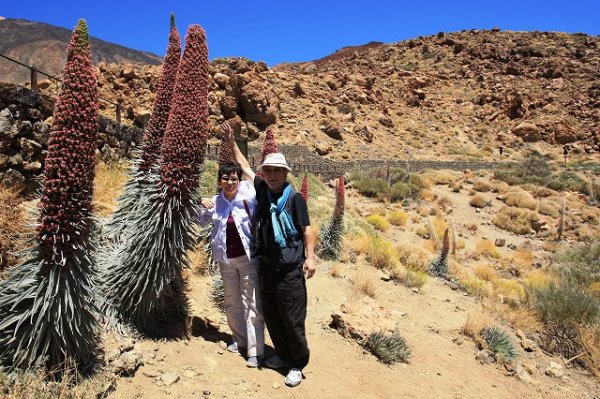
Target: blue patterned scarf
{"points": [[283, 228]]}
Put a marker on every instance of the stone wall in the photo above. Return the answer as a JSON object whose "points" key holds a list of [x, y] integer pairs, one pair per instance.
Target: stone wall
{"points": [[301, 159], [25, 120]]}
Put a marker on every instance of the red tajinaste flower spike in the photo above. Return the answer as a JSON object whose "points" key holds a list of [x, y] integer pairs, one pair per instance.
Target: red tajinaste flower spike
{"points": [[340, 200], [269, 145], [304, 188], [69, 167], [184, 142], [226, 153], [153, 135]]}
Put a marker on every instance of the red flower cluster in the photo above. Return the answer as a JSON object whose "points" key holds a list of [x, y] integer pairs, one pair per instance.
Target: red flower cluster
{"points": [[304, 188], [338, 212], [184, 142], [69, 167], [226, 153], [155, 130], [269, 145]]}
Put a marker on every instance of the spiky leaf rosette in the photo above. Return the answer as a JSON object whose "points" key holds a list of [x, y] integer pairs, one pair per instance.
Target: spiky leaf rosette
{"points": [[143, 286], [143, 282], [439, 266], [269, 145], [184, 143], [153, 135], [304, 188], [500, 344], [46, 312], [330, 236]]}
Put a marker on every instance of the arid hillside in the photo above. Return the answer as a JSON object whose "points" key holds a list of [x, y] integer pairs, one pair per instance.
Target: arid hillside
{"points": [[453, 95]]}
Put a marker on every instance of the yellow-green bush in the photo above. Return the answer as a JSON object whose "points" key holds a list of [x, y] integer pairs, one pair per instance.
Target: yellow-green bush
{"points": [[379, 222], [513, 219], [398, 217]]}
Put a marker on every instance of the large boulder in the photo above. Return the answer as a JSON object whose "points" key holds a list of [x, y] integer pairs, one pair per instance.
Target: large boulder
{"points": [[528, 131]]}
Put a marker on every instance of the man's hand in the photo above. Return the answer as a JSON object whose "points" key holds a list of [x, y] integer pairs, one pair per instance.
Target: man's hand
{"points": [[227, 132], [309, 268]]}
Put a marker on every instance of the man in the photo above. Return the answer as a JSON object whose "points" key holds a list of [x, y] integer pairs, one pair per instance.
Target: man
{"points": [[284, 243]]}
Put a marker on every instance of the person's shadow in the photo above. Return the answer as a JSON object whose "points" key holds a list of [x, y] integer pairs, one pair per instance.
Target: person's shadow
{"points": [[202, 328]]}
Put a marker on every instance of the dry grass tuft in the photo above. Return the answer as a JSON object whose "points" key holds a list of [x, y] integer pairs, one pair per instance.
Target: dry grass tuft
{"points": [[539, 278], [478, 201], [500, 187], [108, 186], [476, 322], [522, 258], [488, 248], [364, 282], [590, 342], [12, 226], [476, 286], [381, 254], [482, 186], [336, 270], [520, 199], [485, 272], [514, 219]]}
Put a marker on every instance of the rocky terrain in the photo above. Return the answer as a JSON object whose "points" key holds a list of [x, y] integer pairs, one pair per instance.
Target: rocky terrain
{"points": [[453, 95]]}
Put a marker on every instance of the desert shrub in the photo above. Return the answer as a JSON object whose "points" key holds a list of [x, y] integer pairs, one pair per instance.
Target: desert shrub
{"points": [[579, 264], [413, 279], [500, 344], [485, 272], [482, 186], [509, 288], [478, 201], [379, 222], [522, 258], [109, 183], [422, 231], [476, 286], [389, 348], [380, 253], [476, 322], [533, 169], [568, 181], [208, 179], [514, 219], [398, 217], [539, 279], [549, 208], [565, 304], [369, 186], [413, 257], [12, 221], [487, 247], [520, 199], [500, 187]]}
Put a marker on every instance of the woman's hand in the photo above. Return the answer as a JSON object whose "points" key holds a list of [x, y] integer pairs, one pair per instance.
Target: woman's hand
{"points": [[207, 203], [227, 132]]}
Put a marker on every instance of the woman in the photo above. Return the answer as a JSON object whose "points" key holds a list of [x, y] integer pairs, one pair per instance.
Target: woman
{"points": [[231, 214]]}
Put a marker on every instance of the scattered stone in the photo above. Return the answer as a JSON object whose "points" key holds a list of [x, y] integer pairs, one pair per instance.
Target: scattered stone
{"points": [[458, 340], [169, 378], [127, 345], [554, 370], [528, 345], [499, 242], [206, 392], [485, 356], [276, 385], [189, 374], [523, 374], [150, 373]]}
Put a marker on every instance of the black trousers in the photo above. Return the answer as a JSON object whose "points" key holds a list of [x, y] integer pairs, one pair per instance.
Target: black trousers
{"points": [[284, 307]]}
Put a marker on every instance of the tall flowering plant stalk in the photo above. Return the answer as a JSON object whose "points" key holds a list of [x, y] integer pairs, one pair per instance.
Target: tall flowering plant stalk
{"points": [[439, 266], [330, 237], [226, 153], [143, 284], [269, 145], [129, 201], [304, 188], [47, 316]]}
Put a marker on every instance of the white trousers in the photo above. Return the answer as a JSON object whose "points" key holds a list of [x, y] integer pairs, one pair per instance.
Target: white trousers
{"points": [[243, 305]]}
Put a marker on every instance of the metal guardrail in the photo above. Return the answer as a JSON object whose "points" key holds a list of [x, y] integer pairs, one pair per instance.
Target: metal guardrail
{"points": [[33, 73]]}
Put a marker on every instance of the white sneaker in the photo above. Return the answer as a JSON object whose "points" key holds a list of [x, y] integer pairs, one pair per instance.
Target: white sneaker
{"points": [[294, 378], [233, 347], [274, 362]]}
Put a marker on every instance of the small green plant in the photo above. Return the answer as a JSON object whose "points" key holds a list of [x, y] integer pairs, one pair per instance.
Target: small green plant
{"points": [[439, 266], [379, 222], [389, 348], [500, 344]]}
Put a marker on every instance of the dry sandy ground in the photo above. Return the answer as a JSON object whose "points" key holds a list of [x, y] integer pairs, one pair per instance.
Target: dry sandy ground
{"points": [[339, 368]]}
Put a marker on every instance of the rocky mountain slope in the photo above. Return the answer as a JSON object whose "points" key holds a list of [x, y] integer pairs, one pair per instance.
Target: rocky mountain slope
{"points": [[43, 46], [453, 95]]}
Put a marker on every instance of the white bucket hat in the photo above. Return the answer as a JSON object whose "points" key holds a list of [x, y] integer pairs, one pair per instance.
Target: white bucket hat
{"points": [[275, 159]]}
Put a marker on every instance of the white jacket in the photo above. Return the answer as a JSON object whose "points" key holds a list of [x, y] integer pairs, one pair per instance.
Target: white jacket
{"points": [[219, 215]]}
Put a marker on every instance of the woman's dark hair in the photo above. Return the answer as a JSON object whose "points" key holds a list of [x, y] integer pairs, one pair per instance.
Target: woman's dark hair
{"points": [[228, 169]]}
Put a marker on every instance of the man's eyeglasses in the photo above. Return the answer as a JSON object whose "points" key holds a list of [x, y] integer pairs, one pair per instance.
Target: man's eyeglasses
{"points": [[226, 179]]}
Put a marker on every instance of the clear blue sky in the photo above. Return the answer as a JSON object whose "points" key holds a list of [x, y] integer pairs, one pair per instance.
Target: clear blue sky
{"points": [[277, 31]]}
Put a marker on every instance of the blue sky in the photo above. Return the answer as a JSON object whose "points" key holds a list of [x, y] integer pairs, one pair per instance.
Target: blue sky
{"points": [[278, 31]]}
